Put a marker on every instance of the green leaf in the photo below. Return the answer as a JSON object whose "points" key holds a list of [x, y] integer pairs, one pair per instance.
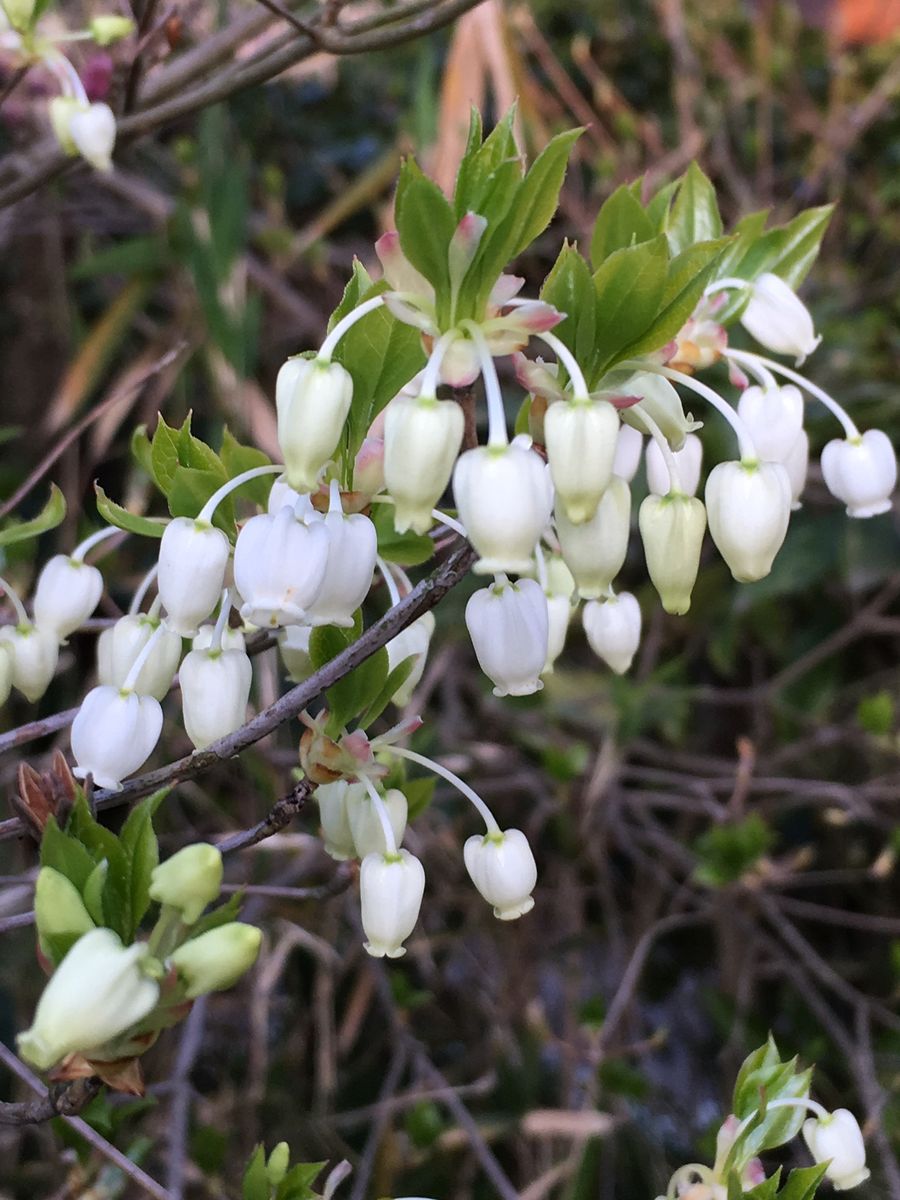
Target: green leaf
{"points": [[115, 514], [223, 915], [570, 288], [803, 1182], [255, 1184], [66, 855], [425, 223], [355, 692], [419, 794], [102, 844], [405, 549], [297, 1184], [727, 852], [237, 458], [93, 892], [538, 194], [657, 208], [51, 515], [767, 1190], [392, 684], [142, 451], [190, 490], [620, 222], [134, 256], [139, 842], [689, 273], [475, 178], [694, 216], [628, 288], [164, 457], [762, 1079]]}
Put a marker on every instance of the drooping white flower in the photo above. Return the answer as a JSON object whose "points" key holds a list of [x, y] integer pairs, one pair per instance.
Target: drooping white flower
{"points": [[629, 444], [313, 399], [231, 639], [504, 497], [774, 417], [365, 824], [422, 437], [862, 472], [113, 734], [509, 628], [6, 672], [217, 959], [119, 646], [502, 867], [672, 529], [68, 590], [279, 567], [748, 506], [215, 689], [96, 993], [93, 130], [595, 551], [837, 1140], [613, 629], [796, 463], [778, 318], [689, 460], [188, 880], [280, 494], [411, 642], [192, 562], [581, 438], [390, 891], [33, 654], [350, 564], [334, 817], [559, 589]]}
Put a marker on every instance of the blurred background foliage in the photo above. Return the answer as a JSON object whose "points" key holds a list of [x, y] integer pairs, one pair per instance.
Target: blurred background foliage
{"points": [[717, 833]]}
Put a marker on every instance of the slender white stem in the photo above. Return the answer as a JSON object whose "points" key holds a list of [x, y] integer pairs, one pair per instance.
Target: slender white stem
{"points": [[497, 434], [17, 604], [721, 285], [746, 445], [389, 580], [155, 608], [431, 374], [334, 498], [567, 358], [142, 589], [745, 358], [757, 370], [68, 78], [450, 522], [541, 567], [483, 811], [675, 482], [807, 1104], [389, 840], [82, 35], [101, 535], [138, 665], [204, 517], [328, 346], [215, 642]]}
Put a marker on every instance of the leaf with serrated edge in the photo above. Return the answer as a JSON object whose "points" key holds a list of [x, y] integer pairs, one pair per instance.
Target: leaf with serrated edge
{"points": [[115, 514], [52, 514]]}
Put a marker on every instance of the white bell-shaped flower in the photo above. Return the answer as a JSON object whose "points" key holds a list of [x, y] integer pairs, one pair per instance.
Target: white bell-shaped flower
{"points": [[390, 891], [504, 497], [279, 567], [97, 993], [580, 437], [509, 627], [672, 529], [192, 562], [215, 689], [313, 400], [334, 817], [68, 590], [119, 646], [748, 507], [33, 653], [796, 463], [629, 446], [502, 867], [113, 734], [6, 672], [837, 1139], [411, 642], [862, 472], [774, 417], [365, 823], [559, 613], [689, 460], [293, 646], [231, 639], [778, 318], [352, 549], [92, 129], [613, 629], [422, 437], [281, 493], [595, 551]]}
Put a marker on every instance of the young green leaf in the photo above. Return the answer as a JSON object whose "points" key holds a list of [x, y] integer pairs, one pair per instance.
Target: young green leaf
{"points": [[255, 1184], [628, 288], [570, 289], [803, 1183], [620, 222], [51, 515], [65, 854], [538, 195], [139, 842], [425, 223], [115, 514], [694, 216], [392, 684]]}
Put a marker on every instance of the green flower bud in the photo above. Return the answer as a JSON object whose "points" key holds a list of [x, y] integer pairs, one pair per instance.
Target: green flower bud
{"points": [[672, 529], [279, 1161], [214, 961], [58, 908], [110, 28], [189, 880]]}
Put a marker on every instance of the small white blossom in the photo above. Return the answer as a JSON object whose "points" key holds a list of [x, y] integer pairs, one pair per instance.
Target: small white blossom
{"points": [[390, 890], [778, 318], [68, 590], [862, 472], [509, 628], [748, 507], [502, 867], [113, 734], [613, 629], [837, 1140], [192, 562]]}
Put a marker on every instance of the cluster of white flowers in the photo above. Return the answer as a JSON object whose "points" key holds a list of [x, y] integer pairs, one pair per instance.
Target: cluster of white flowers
{"points": [[80, 125]]}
